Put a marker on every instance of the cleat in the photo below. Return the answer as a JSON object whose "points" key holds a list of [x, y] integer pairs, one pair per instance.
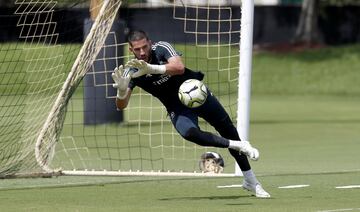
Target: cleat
{"points": [[246, 148], [257, 189]]}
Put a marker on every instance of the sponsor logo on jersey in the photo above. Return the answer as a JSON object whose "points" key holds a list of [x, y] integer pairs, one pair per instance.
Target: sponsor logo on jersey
{"points": [[163, 78]]}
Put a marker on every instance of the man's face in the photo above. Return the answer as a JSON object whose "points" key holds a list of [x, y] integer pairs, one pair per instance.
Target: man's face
{"points": [[141, 49]]}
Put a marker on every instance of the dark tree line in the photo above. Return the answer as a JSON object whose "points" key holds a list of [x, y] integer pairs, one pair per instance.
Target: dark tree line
{"points": [[307, 30]]}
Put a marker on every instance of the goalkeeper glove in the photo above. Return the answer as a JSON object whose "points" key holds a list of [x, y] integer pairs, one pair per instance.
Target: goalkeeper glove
{"points": [[145, 68], [121, 80]]}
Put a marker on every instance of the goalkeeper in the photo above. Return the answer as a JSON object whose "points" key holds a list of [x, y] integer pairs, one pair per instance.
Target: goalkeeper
{"points": [[159, 70]]}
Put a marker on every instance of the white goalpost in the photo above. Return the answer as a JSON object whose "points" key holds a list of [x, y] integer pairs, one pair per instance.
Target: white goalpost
{"points": [[245, 67], [45, 103]]}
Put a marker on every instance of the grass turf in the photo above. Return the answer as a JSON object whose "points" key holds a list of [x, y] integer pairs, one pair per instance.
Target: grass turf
{"points": [[303, 140], [180, 194], [305, 121]]}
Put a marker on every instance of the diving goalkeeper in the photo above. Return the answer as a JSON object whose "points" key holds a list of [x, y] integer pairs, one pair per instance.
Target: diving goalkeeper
{"points": [[160, 71]]}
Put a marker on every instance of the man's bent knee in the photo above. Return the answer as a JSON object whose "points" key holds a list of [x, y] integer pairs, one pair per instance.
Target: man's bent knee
{"points": [[192, 134], [202, 138]]}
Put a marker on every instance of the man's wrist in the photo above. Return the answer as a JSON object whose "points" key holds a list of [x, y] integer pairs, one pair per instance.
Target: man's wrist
{"points": [[157, 69], [121, 95]]}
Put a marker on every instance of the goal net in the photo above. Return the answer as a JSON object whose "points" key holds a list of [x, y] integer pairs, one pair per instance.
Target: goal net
{"points": [[57, 102]]}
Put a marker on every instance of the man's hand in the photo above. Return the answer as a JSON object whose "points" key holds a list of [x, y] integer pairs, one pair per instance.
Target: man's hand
{"points": [[121, 80], [144, 68]]}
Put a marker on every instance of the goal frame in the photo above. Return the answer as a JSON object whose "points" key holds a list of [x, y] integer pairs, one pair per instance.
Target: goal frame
{"points": [[243, 107]]}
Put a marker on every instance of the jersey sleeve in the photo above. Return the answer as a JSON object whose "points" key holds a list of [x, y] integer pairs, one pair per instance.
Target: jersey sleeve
{"points": [[165, 50]]}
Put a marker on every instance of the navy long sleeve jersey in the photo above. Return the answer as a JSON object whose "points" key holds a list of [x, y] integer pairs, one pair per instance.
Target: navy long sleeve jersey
{"points": [[163, 86]]}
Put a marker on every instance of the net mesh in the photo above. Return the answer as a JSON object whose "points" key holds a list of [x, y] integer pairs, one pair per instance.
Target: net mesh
{"points": [[57, 96]]}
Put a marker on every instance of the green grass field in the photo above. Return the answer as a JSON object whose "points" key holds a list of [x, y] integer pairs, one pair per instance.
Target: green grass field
{"points": [[303, 140], [305, 120]]}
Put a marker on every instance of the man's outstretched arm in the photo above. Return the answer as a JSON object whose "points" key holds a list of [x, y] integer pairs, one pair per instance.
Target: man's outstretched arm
{"points": [[174, 67]]}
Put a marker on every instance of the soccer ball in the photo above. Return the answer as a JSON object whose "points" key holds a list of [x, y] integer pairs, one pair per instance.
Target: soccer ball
{"points": [[192, 93]]}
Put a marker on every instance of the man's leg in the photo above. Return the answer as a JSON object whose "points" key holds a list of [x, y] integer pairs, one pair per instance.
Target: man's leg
{"points": [[186, 123], [214, 113]]}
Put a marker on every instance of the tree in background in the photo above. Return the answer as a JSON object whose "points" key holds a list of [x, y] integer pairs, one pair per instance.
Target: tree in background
{"points": [[6, 3], [307, 31]]}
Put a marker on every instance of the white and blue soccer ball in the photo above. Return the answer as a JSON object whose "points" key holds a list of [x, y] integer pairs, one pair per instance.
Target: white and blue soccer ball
{"points": [[192, 93]]}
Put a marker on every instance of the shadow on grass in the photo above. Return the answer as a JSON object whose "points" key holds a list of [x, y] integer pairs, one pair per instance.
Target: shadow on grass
{"points": [[208, 198]]}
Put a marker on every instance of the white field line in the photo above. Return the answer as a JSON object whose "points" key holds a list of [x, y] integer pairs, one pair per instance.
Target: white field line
{"points": [[240, 186], [342, 209], [348, 186], [230, 186], [294, 186]]}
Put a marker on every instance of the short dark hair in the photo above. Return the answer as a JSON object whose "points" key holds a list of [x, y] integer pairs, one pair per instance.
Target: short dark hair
{"points": [[135, 35]]}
